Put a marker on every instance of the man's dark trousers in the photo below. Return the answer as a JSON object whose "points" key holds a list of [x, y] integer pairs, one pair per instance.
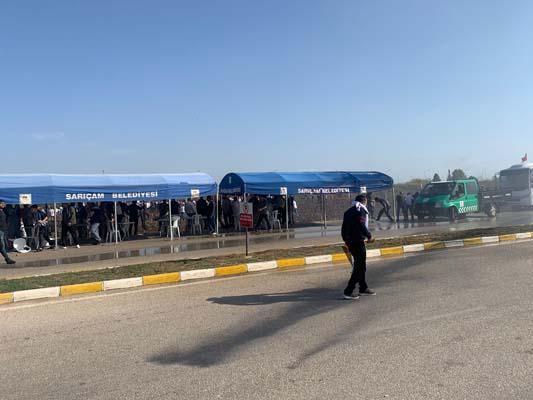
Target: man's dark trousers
{"points": [[385, 211], [3, 245], [65, 229], [358, 251], [262, 216]]}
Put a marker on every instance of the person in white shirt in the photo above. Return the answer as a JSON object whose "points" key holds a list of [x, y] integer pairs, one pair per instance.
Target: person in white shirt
{"points": [[409, 203]]}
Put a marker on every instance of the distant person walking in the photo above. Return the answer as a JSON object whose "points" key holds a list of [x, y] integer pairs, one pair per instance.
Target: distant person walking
{"points": [[68, 223], [133, 212], [210, 215], [3, 234], [385, 209], [97, 217], [41, 228], [399, 205], [236, 212], [354, 233], [227, 212], [262, 210], [371, 201]]}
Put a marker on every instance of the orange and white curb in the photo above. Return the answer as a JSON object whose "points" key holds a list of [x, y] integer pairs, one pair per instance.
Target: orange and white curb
{"points": [[233, 270]]}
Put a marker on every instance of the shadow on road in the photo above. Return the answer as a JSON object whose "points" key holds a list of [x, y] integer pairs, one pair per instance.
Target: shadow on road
{"points": [[214, 350], [307, 295], [303, 304]]}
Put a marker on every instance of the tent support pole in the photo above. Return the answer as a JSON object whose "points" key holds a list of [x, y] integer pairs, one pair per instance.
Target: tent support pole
{"points": [[170, 219], [246, 229], [324, 209], [55, 227], [287, 212], [217, 213], [116, 224], [394, 204]]}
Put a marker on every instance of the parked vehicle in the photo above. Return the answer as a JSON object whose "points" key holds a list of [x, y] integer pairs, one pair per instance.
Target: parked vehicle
{"points": [[517, 182], [455, 199]]}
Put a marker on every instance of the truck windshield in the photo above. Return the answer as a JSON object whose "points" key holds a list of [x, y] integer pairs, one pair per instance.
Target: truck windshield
{"points": [[515, 180], [438, 189]]}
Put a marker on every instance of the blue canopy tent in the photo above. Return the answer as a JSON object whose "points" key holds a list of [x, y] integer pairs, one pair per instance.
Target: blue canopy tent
{"points": [[293, 183], [44, 189], [57, 188], [270, 183]]}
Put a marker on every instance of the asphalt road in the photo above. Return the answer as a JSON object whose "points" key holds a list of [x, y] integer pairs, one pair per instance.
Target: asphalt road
{"points": [[445, 325]]}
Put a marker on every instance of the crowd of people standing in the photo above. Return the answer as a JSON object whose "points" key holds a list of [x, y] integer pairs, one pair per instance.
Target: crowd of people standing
{"points": [[405, 205], [266, 209]]}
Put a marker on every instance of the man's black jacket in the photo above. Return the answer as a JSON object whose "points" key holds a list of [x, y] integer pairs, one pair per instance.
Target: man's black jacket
{"points": [[354, 230]]}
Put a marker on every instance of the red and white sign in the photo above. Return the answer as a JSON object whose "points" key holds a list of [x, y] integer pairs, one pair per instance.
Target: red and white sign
{"points": [[247, 215], [247, 220]]}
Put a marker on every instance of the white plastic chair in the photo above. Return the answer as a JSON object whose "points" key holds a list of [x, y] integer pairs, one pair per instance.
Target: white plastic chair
{"points": [[275, 220], [20, 246], [110, 237], [124, 227], [176, 225], [196, 224]]}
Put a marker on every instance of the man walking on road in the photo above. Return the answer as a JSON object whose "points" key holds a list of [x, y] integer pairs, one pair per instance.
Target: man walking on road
{"points": [[385, 209], [3, 233], [354, 233]]}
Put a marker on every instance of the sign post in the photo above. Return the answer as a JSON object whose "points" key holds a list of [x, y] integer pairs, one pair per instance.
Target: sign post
{"points": [[246, 219], [56, 246], [116, 224], [394, 205], [284, 192], [171, 233]]}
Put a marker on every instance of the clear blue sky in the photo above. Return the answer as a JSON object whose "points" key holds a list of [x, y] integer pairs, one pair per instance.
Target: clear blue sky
{"points": [[405, 87]]}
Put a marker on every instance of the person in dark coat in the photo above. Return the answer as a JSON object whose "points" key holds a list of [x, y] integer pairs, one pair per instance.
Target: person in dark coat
{"points": [[400, 200], [210, 215], [262, 211], [227, 212], [354, 232], [68, 225], [42, 229], [201, 207], [3, 233], [133, 212], [82, 217], [96, 219]]}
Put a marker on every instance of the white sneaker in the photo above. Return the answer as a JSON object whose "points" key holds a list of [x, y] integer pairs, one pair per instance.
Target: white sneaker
{"points": [[65, 247], [351, 297], [77, 246]]}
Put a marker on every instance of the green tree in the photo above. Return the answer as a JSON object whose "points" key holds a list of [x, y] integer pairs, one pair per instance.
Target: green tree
{"points": [[458, 174], [436, 178]]}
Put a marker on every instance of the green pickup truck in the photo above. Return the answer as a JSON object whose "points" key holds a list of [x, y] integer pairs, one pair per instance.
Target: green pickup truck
{"points": [[455, 199]]}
